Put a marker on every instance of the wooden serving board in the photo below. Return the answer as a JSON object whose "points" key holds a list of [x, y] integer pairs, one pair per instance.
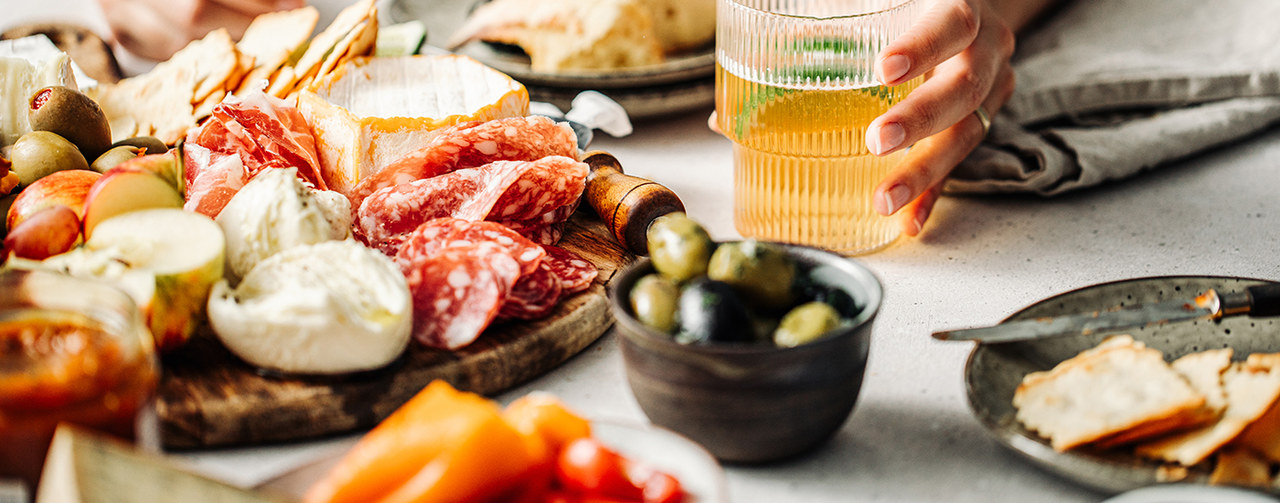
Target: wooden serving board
{"points": [[208, 397]]}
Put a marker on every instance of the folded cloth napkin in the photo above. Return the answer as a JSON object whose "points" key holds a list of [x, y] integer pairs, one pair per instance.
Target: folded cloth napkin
{"points": [[1109, 88]]}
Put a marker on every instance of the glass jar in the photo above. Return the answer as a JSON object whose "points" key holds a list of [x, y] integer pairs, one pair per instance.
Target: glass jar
{"points": [[73, 350]]}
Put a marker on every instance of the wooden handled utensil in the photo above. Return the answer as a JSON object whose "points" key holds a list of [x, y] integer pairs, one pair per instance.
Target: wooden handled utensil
{"points": [[627, 204]]}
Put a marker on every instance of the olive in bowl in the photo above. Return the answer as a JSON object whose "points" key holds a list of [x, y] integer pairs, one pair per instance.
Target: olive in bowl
{"points": [[757, 401]]}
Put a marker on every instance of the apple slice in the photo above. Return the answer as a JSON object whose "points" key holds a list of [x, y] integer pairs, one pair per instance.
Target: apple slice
{"points": [[165, 165], [123, 189], [67, 188], [185, 252]]}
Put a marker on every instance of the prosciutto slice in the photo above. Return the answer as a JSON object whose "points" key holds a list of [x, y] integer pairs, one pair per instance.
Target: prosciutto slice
{"points": [[262, 132]]}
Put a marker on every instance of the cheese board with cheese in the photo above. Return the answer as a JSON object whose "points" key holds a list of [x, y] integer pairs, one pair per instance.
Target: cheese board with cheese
{"points": [[319, 235]]}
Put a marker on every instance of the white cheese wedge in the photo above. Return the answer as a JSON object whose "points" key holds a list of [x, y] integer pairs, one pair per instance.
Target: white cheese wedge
{"points": [[19, 79], [326, 308], [373, 111]]}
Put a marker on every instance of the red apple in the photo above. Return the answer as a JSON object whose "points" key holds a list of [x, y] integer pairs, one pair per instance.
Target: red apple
{"points": [[125, 188], [45, 233], [67, 188]]}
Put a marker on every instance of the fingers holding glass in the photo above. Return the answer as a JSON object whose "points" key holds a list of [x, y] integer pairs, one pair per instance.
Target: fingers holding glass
{"points": [[955, 88], [943, 31], [913, 187]]}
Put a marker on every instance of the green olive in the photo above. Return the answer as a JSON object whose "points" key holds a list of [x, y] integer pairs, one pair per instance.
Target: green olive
{"points": [[806, 323], [762, 273], [151, 143], [653, 300], [71, 115], [39, 153], [679, 247], [116, 155]]}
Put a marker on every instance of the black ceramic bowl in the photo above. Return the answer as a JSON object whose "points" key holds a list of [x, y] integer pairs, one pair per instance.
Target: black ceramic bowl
{"points": [[752, 403]]}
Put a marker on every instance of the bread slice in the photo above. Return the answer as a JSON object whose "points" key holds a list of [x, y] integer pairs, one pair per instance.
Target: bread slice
{"points": [[1251, 387], [563, 35], [1119, 386]]}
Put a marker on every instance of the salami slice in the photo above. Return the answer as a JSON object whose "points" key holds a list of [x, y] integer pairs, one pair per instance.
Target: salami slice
{"points": [[441, 233], [533, 296], [471, 145], [517, 190], [575, 273], [457, 291], [543, 234], [384, 218]]}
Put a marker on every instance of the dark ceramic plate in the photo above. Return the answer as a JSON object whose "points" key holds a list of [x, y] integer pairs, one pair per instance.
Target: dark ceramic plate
{"points": [[994, 371]]}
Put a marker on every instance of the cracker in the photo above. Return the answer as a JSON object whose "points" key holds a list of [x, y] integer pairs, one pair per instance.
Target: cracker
{"points": [[350, 18], [1118, 386], [273, 39], [1250, 392], [1240, 467]]}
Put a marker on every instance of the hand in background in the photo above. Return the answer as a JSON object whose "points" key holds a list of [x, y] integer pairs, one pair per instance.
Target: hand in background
{"points": [[963, 48], [155, 29]]}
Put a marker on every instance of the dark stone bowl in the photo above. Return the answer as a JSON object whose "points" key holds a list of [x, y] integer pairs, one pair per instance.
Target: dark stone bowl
{"points": [[752, 403]]}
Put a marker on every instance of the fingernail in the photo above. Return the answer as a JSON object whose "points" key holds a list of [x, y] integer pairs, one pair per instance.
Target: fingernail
{"points": [[894, 67], [892, 199], [885, 138]]}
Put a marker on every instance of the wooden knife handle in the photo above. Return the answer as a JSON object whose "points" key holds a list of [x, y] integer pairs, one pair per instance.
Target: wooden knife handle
{"points": [[627, 204]]}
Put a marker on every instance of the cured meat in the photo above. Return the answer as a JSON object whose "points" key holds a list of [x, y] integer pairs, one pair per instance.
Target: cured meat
{"points": [[575, 273], [263, 132], [471, 145], [534, 295], [441, 233], [502, 190], [457, 291]]}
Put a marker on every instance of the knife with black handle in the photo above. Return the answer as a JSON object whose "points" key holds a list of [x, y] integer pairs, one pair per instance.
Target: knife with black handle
{"points": [[1261, 300]]}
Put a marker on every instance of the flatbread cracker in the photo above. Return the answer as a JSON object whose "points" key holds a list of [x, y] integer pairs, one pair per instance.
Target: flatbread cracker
{"points": [[1118, 386], [1250, 392], [323, 43], [1240, 467], [272, 39]]}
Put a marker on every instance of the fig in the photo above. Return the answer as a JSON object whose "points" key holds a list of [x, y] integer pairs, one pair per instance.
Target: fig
{"points": [[72, 115], [40, 153]]}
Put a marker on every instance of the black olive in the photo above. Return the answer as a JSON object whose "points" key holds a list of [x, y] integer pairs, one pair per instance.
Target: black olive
{"points": [[710, 311]]}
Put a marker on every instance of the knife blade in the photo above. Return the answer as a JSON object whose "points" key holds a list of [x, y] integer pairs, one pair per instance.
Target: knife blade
{"points": [[1260, 300]]}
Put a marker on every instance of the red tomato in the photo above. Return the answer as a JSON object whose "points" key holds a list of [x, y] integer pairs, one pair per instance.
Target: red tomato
{"points": [[586, 466], [592, 473]]}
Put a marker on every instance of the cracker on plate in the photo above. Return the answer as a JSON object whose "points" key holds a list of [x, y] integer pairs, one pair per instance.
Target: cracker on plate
{"points": [[1119, 386]]}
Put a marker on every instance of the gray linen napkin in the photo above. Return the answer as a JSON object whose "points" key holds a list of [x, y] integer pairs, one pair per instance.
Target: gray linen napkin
{"points": [[1109, 88]]}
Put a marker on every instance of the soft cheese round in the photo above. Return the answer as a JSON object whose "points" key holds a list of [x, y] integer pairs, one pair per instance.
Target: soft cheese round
{"points": [[324, 308], [273, 212]]}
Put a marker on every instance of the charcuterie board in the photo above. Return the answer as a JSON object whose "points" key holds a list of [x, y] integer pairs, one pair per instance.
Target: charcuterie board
{"points": [[208, 397]]}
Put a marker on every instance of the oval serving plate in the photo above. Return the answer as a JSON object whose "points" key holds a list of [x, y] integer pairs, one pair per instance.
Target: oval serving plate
{"points": [[993, 372]]}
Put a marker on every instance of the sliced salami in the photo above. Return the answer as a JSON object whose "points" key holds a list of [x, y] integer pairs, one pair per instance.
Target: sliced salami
{"points": [[543, 234], [533, 296], [471, 145], [522, 190], [457, 291], [448, 232], [575, 273]]}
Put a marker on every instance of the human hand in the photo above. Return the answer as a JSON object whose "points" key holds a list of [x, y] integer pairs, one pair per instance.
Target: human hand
{"points": [[155, 29], [963, 47]]}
